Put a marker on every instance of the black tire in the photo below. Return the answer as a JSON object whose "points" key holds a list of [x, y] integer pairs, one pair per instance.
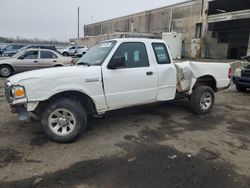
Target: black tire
{"points": [[65, 54], [77, 111], [197, 105], [6, 71], [58, 65], [240, 88]]}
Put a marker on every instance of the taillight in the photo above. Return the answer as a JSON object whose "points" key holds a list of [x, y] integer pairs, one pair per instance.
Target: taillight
{"points": [[230, 73]]}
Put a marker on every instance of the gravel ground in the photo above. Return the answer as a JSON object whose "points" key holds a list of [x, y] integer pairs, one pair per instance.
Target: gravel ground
{"points": [[160, 145]]}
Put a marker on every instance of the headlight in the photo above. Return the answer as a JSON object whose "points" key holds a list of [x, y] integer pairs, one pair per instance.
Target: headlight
{"points": [[238, 72], [18, 92]]}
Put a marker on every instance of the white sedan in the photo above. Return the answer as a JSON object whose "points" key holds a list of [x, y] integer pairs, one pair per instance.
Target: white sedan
{"points": [[73, 51]]}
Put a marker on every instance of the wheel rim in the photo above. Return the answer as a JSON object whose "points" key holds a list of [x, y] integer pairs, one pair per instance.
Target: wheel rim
{"points": [[62, 122], [5, 71], [206, 101]]}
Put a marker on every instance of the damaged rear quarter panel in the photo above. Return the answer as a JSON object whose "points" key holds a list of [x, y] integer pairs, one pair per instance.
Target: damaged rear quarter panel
{"points": [[219, 71]]}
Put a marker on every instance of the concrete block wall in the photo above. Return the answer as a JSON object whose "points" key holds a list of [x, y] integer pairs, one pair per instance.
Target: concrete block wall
{"points": [[181, 17], [215, 49]]}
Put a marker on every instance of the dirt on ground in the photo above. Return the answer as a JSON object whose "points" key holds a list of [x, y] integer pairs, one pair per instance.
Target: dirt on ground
{"points": [[160, 145]]}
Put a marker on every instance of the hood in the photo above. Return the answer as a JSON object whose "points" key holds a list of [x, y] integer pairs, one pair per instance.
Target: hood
{"points": [[7, 60], [4, 58], [55, 73]]}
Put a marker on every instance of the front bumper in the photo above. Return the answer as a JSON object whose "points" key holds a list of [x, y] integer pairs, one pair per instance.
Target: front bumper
{"points": [[17, 106], [242, 81], [21, 111]]}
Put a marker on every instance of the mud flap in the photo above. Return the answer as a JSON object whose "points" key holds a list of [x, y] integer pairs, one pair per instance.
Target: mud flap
{"points": [[22, 113]]}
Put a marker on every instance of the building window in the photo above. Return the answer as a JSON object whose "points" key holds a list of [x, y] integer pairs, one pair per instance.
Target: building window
{"points": [[198, 30]]}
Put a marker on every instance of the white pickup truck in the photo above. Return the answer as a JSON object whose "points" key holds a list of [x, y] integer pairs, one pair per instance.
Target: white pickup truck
{"points": [[113, 74]]}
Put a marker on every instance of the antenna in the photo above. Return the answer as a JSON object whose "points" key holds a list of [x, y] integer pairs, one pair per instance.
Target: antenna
{"points": [[78, 20]]}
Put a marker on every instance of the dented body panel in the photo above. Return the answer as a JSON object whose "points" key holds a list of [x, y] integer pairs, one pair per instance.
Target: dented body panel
{"points": [[188, 71]]}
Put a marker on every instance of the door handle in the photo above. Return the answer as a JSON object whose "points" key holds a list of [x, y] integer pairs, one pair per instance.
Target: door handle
{"points": [[149, 73], [54, 61], [35, 61]]}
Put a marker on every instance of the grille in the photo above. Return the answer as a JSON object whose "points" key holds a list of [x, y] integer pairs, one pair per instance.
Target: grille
{"points": [[246, 73]]}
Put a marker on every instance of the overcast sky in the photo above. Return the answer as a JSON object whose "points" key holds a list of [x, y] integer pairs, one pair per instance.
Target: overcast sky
{"points": [[57, 19]]}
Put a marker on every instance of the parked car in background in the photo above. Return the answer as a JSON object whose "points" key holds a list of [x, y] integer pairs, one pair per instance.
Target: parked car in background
{"points": [[32, 59], [11, 49], [48, 47], [241, 77], [73, 51]]}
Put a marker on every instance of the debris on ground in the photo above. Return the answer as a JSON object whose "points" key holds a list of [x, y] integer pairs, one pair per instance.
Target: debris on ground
{"points": [[37, 181], [208, 154], [172, 157], [133, 159], [238, 64], [189, 156]]}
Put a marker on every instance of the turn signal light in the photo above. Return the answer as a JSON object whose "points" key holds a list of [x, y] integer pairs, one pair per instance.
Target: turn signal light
{"points": [[19, 92]]}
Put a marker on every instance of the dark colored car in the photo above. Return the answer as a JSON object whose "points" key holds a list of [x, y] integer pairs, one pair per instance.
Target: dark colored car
{"points": [[241, 78], [10, 49]]}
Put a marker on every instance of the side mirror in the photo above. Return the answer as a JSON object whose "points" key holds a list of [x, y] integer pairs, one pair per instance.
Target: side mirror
{"points": [[115, 62], [21, 57]]}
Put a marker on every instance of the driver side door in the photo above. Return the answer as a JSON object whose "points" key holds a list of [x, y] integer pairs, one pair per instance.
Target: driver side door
{"points": [[28, 61], [135, 83]]}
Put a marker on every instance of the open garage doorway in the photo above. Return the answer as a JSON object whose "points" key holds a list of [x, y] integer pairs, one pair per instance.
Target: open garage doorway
{"points": [[229, 39]]}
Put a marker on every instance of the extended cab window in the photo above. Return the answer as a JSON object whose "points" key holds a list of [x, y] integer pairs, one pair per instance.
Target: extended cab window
{"points": [[134, 53], [48, 55], [161, 53]]}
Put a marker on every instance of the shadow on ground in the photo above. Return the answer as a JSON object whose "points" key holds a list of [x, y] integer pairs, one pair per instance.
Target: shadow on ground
{"points": [[144, 166]]}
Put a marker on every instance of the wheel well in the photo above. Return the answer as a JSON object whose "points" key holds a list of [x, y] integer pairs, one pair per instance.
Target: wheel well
{"points": [[84, 99], [206, 81], [8, 66]]}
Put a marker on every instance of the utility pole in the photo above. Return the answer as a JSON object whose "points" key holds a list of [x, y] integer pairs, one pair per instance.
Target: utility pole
{"points": [[78, 22]]}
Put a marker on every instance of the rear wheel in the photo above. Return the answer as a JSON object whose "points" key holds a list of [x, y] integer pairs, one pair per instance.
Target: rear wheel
{"points": [[64, 120], [6, 71], [240, 88], [202, 100]]}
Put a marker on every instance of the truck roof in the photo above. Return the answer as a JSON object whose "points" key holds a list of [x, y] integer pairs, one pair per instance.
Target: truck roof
{"points": [[135, 40]]}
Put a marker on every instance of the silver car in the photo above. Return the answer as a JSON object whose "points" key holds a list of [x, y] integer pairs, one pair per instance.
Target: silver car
{"points": [[32, 59]]}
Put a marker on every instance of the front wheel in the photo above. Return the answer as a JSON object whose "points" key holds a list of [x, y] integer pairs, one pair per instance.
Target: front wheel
{"points": [[240, 88], [202, 100], [6, 71], [64, 120]]}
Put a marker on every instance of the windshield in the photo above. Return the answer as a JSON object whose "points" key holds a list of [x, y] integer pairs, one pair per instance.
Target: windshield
{"points": [[97, 54], [18, 54], [24, 48]]}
